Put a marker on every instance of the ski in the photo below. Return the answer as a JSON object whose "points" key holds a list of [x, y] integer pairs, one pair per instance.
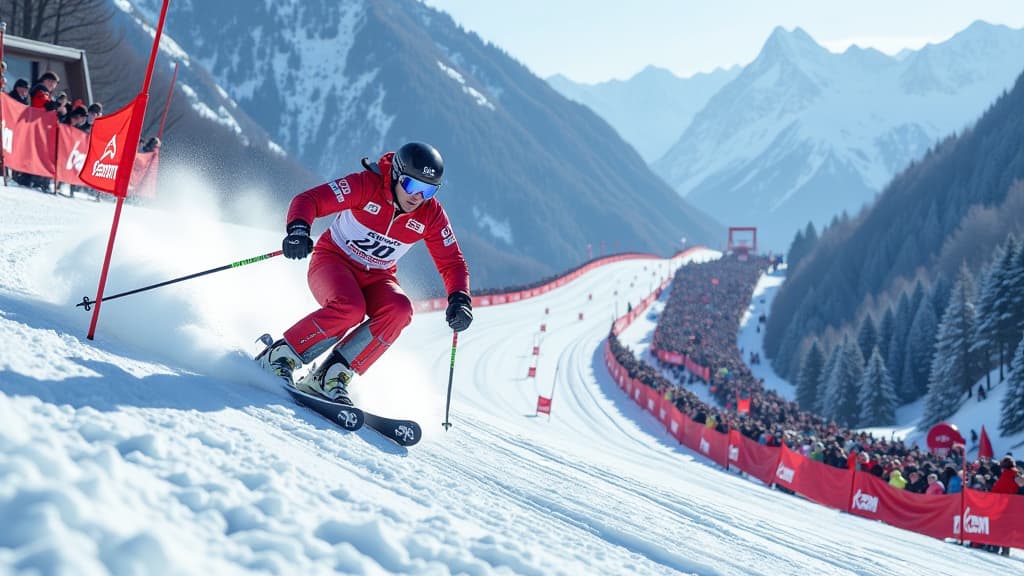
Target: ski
{"points": [[400, 431], [348, 417]]}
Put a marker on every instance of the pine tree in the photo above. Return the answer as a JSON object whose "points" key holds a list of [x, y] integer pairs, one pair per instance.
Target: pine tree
{"points": [[916, 298], [867, 336], [788, 349], [898, 343], [796, 250], [877, 397], [953, 366], [885, 330], [842, 390], [920, 350], [1015, 294], [821, 403], [994, 329], [984, 342], [1012, 420], [810, 377]]}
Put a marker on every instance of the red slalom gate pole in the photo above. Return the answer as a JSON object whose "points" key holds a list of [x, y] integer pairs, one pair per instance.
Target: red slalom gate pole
{"points": [[127, 160]]}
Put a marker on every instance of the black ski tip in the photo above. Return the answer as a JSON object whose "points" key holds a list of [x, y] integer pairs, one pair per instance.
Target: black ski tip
{"points": [[401, 432]]}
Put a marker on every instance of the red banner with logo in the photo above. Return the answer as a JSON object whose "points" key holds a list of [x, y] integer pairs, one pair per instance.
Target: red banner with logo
{"points": [[752, 457], [29, 138], [817, 481], [929, 514], [992, 519], [72, 146], [707, 441], [677, 423], [143, 182], [108, 143]]}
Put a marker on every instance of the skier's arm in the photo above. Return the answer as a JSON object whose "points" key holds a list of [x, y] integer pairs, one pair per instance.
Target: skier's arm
{"points": [[447, 255], [327, 198]]}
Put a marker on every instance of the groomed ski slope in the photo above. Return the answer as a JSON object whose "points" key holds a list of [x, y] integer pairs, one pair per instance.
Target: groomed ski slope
{"points": [[159, 449]]}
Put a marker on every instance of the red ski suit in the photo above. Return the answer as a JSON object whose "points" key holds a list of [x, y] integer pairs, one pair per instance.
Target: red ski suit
{"points": [[352, 270]]}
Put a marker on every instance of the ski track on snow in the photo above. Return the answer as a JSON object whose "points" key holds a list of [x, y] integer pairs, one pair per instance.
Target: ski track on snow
{"points": [[124, 455]]}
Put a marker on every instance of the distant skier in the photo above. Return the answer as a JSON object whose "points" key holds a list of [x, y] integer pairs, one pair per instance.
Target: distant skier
{"points": [[381, 212]]}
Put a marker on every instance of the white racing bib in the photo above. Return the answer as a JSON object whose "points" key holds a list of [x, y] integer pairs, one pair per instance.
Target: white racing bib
{"points": [[366, 246]]}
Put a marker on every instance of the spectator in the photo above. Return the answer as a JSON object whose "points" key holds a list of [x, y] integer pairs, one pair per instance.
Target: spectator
{"points": [[20, 91], [95, 111], [1008, 472], [1006, 484], [934, 485], [40, 93], [60, 105], [151, 145], [818, 452], [896, 479], [77, 117], [953, 479], [917, 483]]}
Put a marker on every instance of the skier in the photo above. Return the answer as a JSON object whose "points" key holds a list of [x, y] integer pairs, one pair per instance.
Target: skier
{"points": [[381, 212]]}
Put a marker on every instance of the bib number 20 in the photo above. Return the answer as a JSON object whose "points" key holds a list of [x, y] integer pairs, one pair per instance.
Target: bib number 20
{"points": [[374, 247]]}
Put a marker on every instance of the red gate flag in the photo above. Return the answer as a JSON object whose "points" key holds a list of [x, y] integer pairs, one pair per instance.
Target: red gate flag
{"points": [[742, 404], [984, 444], [109, 144], [113, 175], [543, 405]]}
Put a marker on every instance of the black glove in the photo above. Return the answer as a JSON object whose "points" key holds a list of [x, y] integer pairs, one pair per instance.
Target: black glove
{"points": [[460, 311], [297, 244]]}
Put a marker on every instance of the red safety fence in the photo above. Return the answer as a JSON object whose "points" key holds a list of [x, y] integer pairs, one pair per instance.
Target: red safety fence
{"points": [[519, 295], [34, 142], [974, 516]]}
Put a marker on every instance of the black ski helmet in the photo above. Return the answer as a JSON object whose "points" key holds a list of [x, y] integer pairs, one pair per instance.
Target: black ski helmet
{"points": [[420, 161]]}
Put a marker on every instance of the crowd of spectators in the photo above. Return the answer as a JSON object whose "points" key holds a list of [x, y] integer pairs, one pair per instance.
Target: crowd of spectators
{"points": [[701, 320], [43, 94]]}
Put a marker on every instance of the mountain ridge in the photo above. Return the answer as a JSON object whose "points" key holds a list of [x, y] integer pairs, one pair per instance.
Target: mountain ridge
{"points": [[856, 118], [532, 179]]}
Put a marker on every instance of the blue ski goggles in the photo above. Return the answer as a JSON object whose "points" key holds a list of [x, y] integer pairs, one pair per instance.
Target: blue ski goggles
{"points": [[414, 186]]}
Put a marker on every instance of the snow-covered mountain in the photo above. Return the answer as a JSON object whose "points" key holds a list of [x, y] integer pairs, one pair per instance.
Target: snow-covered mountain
{"points": [[802, 133], [651, 109], [531, 178], [207, 133], [158, 448]]}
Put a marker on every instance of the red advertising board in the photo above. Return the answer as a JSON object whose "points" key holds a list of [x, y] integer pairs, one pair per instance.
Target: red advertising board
{"points": [[756, 459], [929, 514], [819, 482]]}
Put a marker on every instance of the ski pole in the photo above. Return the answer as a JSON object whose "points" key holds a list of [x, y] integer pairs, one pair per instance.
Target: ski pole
{"points": [[87, 304], [451, 373]]}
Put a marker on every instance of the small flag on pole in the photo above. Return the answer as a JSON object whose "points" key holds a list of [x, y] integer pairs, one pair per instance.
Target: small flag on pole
{"points": [[543, 405], [742, 404], [984, 445]]}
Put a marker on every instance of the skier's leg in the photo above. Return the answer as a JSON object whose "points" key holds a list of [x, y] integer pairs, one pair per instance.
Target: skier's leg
{"points": [[337, 290], [390, 311]]}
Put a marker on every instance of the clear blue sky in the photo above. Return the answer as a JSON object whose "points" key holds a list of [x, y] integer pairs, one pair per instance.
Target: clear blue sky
{"points": [[596, 40]]}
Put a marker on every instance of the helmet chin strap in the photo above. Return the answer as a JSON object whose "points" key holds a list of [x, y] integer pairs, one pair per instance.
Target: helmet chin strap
{"points": [[394, 199]]}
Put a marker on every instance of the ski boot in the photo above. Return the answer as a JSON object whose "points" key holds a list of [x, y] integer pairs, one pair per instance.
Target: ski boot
{"points": [[330, 380], [279, 359]]}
